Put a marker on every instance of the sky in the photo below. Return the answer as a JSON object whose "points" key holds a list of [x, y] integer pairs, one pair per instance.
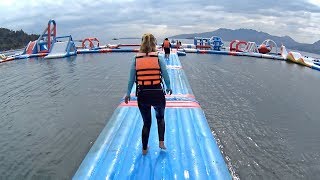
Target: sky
{"points": [[106, 19]]}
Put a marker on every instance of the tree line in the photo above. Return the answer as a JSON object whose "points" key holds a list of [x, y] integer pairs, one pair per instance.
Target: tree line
{"points": [[14, 39]]}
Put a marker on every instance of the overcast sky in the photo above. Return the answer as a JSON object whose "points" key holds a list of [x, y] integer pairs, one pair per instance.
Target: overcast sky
{"points": [[106, 19]]}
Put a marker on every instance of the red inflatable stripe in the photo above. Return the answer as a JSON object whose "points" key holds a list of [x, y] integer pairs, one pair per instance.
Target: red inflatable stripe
{"points": [[169, 104]]}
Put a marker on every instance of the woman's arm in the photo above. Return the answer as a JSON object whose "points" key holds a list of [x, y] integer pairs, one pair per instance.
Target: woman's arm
{"points": [[132, 76]]}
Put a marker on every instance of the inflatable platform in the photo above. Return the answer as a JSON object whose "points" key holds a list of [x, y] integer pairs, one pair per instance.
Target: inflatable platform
{"points": [[192, 152]]}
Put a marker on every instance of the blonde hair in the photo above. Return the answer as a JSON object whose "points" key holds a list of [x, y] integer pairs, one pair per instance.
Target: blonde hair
{"points": [[148, 43]]}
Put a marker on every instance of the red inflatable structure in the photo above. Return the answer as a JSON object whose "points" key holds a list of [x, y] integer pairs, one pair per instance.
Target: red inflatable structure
{"points": [[239, 45], [91, 43], [267, 46], [264, 49]]}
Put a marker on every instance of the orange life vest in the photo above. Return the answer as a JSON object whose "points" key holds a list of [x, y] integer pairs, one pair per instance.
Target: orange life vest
{"points": [[148, 70], [166, 44]]}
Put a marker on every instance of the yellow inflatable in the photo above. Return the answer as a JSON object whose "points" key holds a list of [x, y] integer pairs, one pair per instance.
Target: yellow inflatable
{"points": [[3, 57], [295, 57]]}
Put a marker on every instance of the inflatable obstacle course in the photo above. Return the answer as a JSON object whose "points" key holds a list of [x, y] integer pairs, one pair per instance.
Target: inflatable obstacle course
{"points": [[192, 152]]}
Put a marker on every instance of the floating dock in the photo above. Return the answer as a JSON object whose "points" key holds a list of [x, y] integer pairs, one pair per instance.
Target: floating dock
{"points": [[192, 152]]}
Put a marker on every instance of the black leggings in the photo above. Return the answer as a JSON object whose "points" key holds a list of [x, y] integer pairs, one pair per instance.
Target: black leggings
{"points": [[146, 99], [166, 50]]}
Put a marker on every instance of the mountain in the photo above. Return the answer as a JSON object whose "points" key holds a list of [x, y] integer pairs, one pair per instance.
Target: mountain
{"points": [[14, 39], [317, 43], [256, 36]]}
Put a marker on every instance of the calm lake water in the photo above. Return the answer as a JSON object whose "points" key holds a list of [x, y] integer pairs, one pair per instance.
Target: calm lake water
{"points": [[265, 113]]}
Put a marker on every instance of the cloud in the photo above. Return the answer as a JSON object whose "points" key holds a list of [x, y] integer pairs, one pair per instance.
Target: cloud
{"points": [[315, 2], [113, 18]]}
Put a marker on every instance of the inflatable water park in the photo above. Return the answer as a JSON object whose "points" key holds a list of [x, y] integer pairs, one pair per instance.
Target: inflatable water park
{"points": [[49, 45], [192, 150]]}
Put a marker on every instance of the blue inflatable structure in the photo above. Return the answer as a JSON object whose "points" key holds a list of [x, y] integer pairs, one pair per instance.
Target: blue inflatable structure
{"points": [[192, 152], [215, 42], [62, 46]]}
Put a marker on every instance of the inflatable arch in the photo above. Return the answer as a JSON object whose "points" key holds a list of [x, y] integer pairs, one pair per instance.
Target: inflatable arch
{"points": [[91, 41]]}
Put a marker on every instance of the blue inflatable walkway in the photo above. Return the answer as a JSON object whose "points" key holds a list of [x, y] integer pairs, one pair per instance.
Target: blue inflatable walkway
{"points": [[192, 152]]}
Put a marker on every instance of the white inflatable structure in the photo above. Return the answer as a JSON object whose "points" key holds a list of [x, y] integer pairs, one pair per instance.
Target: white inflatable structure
{"points": [[296, 57]]}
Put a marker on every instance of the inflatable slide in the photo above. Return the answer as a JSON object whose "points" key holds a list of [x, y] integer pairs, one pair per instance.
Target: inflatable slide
{"points": [[60, 49], [41, 46], [296, 57]]}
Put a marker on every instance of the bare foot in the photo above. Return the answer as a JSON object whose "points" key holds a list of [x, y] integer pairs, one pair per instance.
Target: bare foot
{"points": [[161, 145], [144, 152]]}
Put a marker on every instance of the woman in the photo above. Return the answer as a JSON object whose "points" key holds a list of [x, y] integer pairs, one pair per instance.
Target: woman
{"points": [[147, 71]]}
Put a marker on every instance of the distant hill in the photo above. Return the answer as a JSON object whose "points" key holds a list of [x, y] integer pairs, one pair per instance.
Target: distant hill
{"points": [[14, 39], [256, 36], [129, 38]]}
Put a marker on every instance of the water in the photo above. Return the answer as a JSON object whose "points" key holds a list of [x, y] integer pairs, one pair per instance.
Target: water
{"points": [[53, 110], [265, 113]]}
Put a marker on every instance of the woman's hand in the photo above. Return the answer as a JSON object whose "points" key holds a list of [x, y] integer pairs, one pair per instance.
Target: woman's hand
{"points": [[127, 99]]}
